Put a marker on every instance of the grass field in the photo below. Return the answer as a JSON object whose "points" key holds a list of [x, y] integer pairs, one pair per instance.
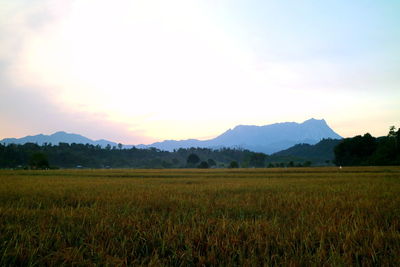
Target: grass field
{"points": [[246, 217]]}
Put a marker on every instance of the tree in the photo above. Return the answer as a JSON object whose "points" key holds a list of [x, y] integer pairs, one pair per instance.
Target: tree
{"points": [[257, 160], [211, 162], [398, 140], [367, 150], [192, 159], [175, 161], [355, 151], [395, 136], [392, 131], [307, 163], [233, 165], [38, 160], [119, 146], [203, 165]]}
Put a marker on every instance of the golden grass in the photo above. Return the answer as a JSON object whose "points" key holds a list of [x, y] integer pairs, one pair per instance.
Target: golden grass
{"points": [[251, 217]]}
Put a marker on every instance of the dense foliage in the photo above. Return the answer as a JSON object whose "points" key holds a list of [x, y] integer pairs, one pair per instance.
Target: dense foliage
{"points": [[320, 154], [89, 156], [357, 151], [367, 150]]}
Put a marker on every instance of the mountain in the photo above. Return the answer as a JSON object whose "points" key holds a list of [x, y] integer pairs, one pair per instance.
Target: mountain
{"points": [[58, 137], [321, 153], [267, 139]]}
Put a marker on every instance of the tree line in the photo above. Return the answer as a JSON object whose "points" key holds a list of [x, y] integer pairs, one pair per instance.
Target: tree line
{"points": [[367, 150], [357, 151], [66, 155]]}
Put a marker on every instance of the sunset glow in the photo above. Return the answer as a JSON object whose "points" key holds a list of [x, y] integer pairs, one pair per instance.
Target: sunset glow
{"points": [[143, 71]]}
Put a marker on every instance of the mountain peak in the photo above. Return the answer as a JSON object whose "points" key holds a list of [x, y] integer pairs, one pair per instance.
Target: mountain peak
{"points": [[312, 120], [59, 133], [56, 138], [267, 138]]}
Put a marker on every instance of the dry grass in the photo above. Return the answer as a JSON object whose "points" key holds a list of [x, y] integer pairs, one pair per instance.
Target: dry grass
{"points": [[251, 217]]}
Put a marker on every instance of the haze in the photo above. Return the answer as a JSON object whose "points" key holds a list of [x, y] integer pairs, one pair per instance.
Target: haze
{"points": [[143, 71]]}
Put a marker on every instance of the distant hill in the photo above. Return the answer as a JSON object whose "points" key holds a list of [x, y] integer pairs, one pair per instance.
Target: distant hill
{"points": [[266, 139], [321, 153], [56, 138]]}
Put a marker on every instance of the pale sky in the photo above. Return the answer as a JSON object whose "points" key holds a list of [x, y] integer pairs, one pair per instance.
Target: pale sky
{"points": [[142, 71]]}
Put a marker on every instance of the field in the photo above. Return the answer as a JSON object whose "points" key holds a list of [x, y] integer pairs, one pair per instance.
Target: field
{"points": [[245, 217]]}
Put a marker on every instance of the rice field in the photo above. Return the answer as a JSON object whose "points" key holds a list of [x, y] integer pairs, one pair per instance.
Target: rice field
{"points": [[192, 217]]}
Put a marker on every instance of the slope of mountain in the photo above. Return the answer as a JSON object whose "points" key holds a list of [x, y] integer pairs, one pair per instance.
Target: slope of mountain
{"points": [[267, 139], [319, 154], [58, 137], [170, 145]]}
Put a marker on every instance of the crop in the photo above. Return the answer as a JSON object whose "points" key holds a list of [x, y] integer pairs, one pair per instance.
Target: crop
{"points": [[250, 217]]}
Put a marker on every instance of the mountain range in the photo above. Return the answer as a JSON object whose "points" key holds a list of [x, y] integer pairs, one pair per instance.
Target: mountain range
{"points": [[58, 137], [266, 139]]}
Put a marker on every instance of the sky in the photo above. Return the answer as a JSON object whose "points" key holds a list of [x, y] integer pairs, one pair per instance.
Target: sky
{"points": [[139, 71]]}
